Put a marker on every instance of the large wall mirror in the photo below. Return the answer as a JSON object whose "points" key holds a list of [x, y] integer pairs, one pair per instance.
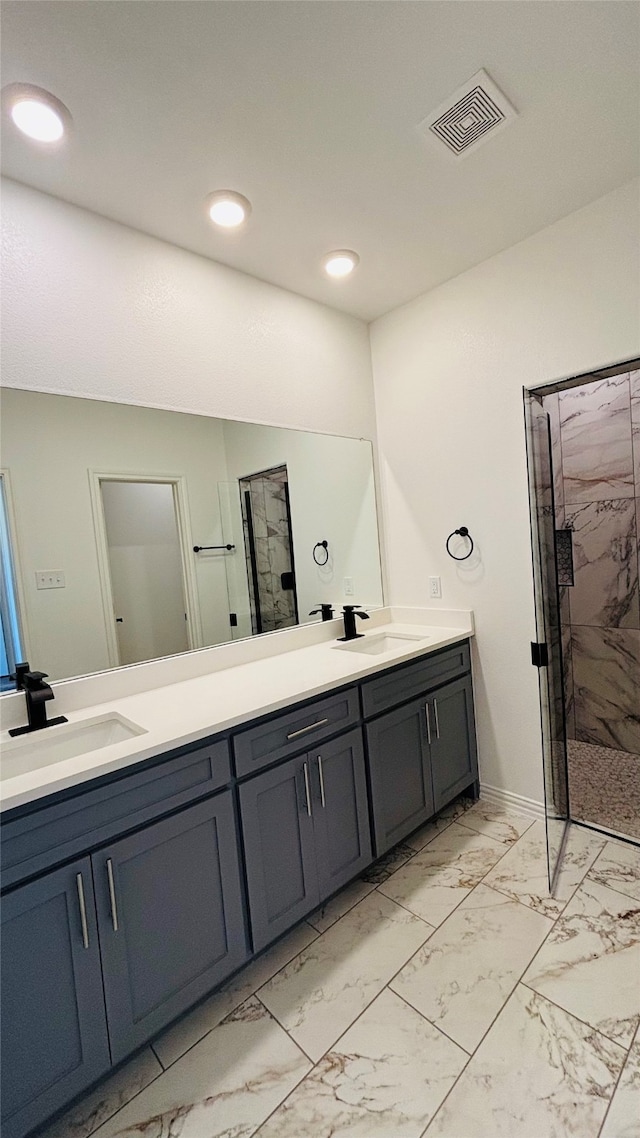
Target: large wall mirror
{"points": [[102, 504]]}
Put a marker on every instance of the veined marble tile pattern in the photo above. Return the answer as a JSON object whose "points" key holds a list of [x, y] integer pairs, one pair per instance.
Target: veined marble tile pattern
{"points": [[606, 680], [604, 787], [634, 380], [597, 457], [515, 1017], [605, 564]]}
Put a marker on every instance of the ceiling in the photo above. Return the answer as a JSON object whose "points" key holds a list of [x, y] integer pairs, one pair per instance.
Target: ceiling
{"points": [[311, 109]]}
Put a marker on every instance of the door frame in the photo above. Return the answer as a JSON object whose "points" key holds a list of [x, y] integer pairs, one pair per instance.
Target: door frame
{"points": [[18, 577], [181, 505]]}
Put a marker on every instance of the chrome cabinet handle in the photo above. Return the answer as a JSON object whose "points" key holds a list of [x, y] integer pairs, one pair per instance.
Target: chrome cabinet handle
{"points": [[112, 895], [322, 797], [310, 727], [426, 715], [83, 910], [306, 789], [435, 712]]}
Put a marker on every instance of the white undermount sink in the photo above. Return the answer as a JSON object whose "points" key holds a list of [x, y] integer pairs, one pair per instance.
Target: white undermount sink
{"points": [[373, 644], [64, 741]]}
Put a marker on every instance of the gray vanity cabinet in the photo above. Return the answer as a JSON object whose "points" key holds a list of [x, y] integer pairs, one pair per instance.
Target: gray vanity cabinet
{"points": [[54, 1028], [422, 754], [340, 811], [453, 741], [400, 773], [277, 823], [170, 916], [306, 833]]}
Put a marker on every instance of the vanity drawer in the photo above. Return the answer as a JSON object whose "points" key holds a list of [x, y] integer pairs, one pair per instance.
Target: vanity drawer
{"points": [[52, 834], [409, 680], [294, 731]]}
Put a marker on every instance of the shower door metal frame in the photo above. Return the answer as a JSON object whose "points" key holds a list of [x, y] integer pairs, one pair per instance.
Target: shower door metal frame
{"points": [[547, 652]]}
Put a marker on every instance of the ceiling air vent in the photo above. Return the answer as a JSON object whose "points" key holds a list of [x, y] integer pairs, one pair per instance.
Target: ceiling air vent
{"points": [[474, 113]]}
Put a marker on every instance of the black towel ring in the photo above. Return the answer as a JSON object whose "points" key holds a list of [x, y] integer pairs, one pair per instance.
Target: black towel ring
{"points": [[464, 532], [321, 545]]}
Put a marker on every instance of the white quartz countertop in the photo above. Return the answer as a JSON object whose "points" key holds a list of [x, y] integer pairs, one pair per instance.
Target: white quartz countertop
{"points": [[181, 713]]}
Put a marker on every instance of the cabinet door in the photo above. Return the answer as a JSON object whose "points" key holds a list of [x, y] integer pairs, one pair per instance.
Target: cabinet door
{"points": [[171, 919], [277, 822], [401, 793], [453, 741], [340, 811], [54, 1031]]}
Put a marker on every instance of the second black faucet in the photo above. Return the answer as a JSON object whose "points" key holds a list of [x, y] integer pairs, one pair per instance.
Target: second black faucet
{"points": [[349, 613]]}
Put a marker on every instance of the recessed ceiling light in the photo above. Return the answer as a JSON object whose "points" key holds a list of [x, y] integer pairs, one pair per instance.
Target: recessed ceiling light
{"points": [[228, 209], [340, 263], [37, 113]]}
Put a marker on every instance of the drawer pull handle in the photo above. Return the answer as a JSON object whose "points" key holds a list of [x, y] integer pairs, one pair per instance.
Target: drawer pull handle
{"points": [[306, 789], [322, 797], [435, 712], [426, 715], [112, 895], [83, 910], [310, 727]]}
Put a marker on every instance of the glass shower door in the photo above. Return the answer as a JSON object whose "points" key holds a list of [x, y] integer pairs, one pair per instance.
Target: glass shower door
{"points": [[547, 653]]}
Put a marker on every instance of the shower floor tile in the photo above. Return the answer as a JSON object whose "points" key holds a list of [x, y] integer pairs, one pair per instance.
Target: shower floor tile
{"points": [[604, 787]]}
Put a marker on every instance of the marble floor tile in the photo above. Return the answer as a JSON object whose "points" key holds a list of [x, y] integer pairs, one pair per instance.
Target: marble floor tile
{"points": [[499, 824], [196, 1024], [539, 1073], [319, 995], [436, 825], [108, 1097], [224, 1087], [604, 787], [387, 864], [328, 914], [618, 866], [523, 875], [595, 425], [385, 1078], [441, 875], [623, 1116], [605, 562], [464, 973], [606, 676], [590, 963]]}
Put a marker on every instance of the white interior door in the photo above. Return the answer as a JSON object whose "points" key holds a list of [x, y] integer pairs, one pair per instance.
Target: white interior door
{"points": [[145, 566]]}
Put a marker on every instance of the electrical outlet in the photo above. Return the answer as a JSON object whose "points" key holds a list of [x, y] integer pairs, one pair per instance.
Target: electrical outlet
{"points": [[348, 586], [435, 587], [49, 579]]}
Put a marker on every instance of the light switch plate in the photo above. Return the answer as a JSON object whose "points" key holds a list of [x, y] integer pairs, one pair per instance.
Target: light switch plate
{"points": [[348, 586], [49, 579]]}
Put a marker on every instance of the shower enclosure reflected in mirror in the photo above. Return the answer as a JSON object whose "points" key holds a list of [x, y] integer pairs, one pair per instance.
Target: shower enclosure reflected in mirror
{"points": [[105, 503]]}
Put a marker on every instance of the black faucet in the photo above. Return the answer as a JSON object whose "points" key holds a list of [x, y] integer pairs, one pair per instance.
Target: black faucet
{"points": [[350, 615], [37, 694], [325, 609]]}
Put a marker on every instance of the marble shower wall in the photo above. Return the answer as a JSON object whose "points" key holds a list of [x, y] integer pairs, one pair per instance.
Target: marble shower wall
{"points": [[595, 431], [271, 548]]}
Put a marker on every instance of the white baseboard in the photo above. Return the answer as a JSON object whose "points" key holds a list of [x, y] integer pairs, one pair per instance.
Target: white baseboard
{"points": [[516, 803]]}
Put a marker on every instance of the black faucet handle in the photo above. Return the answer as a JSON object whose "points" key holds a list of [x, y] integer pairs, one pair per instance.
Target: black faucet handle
{"points": [[354, 609], [325, 609], [33, 680]]}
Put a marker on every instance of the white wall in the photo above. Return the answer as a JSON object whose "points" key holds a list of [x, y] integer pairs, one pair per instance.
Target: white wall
{"points": [[49, 444], [448, 374], [93, 308]]}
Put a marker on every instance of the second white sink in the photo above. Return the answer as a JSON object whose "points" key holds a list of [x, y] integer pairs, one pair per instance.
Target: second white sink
{"points": [[64, 741], [373, 644]]}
